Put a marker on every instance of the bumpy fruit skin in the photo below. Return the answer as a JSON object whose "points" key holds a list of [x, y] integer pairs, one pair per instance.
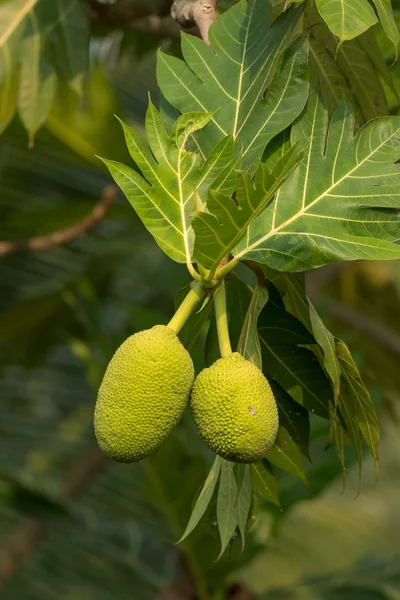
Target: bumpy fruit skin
{"points": [[234, 409], [143, 394]]}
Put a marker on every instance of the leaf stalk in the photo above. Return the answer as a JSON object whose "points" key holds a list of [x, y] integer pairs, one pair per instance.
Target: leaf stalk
{"points": [[221, 318], [194, 297]]}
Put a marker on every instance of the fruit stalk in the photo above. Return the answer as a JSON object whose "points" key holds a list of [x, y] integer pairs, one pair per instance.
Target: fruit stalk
{"points": [[194, 297], [221, 318]]}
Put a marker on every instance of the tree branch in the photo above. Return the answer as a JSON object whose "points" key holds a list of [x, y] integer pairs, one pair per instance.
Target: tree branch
{"points": [[64, 236], [199, 12]]}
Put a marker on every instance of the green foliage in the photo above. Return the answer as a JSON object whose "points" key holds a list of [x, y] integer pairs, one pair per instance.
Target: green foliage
{"points": [[39, 42], [242, 172]]}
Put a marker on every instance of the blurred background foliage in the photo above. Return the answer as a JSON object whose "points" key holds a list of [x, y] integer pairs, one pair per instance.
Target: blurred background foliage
{"points": [[76, 527]]}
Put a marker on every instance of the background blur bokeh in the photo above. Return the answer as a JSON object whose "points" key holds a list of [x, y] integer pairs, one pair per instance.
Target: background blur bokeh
{"points": [[76, 527]]}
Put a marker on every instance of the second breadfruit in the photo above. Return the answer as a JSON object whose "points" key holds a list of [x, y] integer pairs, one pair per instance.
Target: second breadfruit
{"points": [[235, 410], [143, 394]]}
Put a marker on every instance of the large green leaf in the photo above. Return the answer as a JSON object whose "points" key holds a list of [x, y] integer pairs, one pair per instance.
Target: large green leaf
{"points": [[345, 18], [164, 200], [341, 203], [230, 79], [219, 229]]}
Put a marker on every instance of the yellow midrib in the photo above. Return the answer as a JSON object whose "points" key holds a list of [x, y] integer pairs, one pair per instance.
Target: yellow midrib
{"points": [[19, 17]]}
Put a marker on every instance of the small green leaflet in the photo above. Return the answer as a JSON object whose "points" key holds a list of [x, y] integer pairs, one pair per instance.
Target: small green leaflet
{"points": [[249, 343], [264, 483], [164, 200], [230, 79], [356, 401], [219, 229], [226, 504], [341, 203], [243, 503], [204, 498], [388, 21], [286, 455], [346, 18]]}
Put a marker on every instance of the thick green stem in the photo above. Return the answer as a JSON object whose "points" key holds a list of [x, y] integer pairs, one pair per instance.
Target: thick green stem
{"points": [[194, 297], [221, 318], [223, 271]]}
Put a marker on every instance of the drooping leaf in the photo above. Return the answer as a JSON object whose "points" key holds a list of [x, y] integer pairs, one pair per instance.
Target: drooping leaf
{"points": [[249, 343], [163, 197], [219, 229], [204, 498], [70, 42], [293, 417], [264, 482], [345, 18], [286, 455], [388, 21], [356, 398], [350, 182], [37, 76], [295, 368], [45, 38], [243, 502], [292, 287], [226, 504], [230, 79]]}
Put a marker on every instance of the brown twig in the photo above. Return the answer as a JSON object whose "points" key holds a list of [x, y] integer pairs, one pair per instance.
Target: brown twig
{"points": [[199, 12], [43, 242]]}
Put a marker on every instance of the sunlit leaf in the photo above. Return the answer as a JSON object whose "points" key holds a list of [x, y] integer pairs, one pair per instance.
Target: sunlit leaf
{"points": [[350, 182], [230, 79], [204, 498], [345, 18], [163, 197], [219, 229]]}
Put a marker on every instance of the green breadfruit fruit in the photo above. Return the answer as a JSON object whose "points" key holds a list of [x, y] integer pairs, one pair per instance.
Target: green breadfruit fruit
{"points": [[235, 410], [143, 394]]}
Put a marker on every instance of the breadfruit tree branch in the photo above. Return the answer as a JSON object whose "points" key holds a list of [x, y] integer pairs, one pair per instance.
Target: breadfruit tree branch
{"points": [[43, 242], [199, 12]]}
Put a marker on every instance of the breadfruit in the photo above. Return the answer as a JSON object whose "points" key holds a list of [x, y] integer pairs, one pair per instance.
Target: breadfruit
{"points": [[143, 394], [234, 409]]}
